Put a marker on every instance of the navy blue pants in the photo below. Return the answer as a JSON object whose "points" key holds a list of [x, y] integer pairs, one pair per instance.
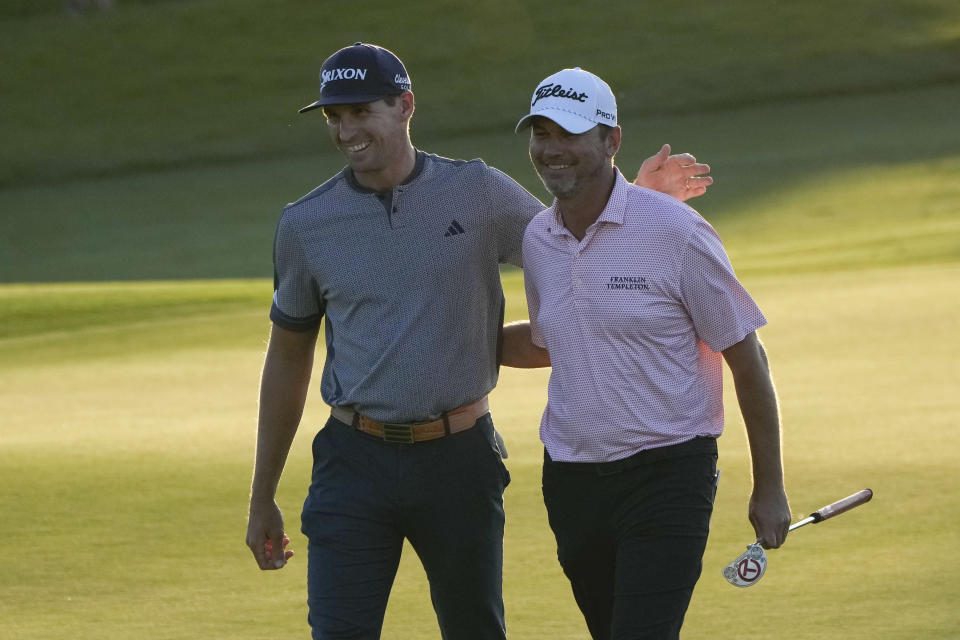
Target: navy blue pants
{"points": [[445, 496], [631, 535]]}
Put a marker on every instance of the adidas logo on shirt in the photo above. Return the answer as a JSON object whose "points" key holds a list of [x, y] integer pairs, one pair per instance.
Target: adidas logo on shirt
{"points": [[454, 229]]}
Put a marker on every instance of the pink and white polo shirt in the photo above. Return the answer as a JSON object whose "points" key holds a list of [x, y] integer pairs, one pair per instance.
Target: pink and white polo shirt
{"points": [[634, 316]]}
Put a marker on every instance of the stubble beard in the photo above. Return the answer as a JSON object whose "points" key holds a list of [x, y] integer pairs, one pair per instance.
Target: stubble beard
{"points": [[569, 186]]}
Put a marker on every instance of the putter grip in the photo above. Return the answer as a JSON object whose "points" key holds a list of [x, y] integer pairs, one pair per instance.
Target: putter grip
{"points": [[840, 506]]}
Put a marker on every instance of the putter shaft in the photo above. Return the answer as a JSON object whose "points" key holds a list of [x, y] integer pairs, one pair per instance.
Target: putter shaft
{"points": [[797, 525]]}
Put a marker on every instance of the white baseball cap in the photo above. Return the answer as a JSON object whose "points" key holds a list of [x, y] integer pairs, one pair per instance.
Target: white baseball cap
{"points": [[575, 99]]}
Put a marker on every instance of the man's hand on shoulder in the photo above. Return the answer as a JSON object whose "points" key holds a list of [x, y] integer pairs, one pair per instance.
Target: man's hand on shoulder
{"points": [[678, 175]]}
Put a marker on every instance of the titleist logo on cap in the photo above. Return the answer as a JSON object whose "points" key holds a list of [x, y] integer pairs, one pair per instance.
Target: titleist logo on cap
{"points": [[557, 91]]}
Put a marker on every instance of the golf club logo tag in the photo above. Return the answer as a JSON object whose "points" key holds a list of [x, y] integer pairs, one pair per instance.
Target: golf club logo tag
{"points": [[747, 568]]}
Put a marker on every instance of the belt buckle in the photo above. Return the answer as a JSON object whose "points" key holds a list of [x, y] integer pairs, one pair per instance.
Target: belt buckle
{"points": [[398, 433]]}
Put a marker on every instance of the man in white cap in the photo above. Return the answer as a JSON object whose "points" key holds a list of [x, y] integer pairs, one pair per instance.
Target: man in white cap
{"points": [[632, 296], [399, 255]]}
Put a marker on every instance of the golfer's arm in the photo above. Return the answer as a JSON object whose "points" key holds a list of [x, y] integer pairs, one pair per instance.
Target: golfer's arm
{"points": [[761, 414], [519, 349], [283, 394]]}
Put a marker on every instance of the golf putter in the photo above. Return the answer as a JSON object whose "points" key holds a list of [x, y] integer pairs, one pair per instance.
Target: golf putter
{"points": [[747, 568]]}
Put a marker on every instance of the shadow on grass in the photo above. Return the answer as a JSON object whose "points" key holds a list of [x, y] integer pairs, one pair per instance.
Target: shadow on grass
{"points": [[217, 221]]}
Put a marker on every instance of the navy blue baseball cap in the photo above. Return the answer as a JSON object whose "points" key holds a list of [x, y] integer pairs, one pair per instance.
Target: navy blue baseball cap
{"points": [[360, 73]]}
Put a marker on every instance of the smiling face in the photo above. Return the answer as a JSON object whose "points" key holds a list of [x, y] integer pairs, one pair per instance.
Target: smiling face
{"points": [[571, 164], [374, 137]]}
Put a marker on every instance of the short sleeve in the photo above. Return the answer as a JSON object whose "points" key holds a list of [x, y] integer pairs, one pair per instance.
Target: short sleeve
{"points": [[722, 311], [514, 207], [296, 301]]}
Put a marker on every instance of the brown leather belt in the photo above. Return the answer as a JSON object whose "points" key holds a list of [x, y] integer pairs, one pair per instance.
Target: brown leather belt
{"points": [[459, 419]]}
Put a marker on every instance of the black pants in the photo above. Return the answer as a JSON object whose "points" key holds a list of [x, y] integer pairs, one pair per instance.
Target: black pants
{"points": [[445, 496], [631, 535]]}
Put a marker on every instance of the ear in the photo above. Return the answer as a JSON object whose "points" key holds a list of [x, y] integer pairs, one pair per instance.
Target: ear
{"points": [[407, 105], [613, 141]]}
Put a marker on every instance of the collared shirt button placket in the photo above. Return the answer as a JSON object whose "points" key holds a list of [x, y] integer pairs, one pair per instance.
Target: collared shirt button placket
{"points": [[576, 277], [398, 216]]}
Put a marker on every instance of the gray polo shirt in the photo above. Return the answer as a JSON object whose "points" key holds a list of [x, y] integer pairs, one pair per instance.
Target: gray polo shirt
{"points": [[408, 280]]}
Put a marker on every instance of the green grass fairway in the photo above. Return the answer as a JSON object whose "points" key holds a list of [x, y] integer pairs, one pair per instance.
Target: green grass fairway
{"points": [[127, 443], [147, 153], [129, 407]]}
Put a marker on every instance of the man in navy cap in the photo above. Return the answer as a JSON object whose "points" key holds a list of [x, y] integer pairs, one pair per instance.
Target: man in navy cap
{"points": [[400, 253]]}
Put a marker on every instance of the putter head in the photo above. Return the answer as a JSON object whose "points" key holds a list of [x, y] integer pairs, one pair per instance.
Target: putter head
{"points": [[747, 568]]}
